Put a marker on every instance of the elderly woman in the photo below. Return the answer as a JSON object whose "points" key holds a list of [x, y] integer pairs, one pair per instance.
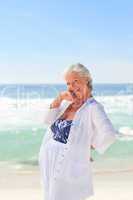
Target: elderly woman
{"points": [[76, 123]]}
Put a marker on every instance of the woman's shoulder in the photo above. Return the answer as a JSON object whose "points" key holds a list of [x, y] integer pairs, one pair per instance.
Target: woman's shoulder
{"points": [[95, 104]]}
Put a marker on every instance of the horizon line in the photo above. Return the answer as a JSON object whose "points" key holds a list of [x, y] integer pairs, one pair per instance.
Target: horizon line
{"points": [[41, 83]]}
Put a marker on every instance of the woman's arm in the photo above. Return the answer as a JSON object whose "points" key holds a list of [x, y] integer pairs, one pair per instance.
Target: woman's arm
{"points": [[56, 102], [52, 110], [104, 132]]}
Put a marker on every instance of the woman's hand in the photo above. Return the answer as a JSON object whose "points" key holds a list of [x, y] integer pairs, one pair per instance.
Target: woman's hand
{"points": [[65, 95], [92, 147], [91, 159]]}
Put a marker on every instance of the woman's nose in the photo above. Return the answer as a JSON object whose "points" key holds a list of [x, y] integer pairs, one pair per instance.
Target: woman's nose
{"points": [[70, 88]]}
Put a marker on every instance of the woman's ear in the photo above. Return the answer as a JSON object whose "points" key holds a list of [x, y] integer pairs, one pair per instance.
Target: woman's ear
{"points": [[89, 84]]}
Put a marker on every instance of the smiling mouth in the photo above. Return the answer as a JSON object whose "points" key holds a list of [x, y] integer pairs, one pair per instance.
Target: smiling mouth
{"points": [[74, 94]]}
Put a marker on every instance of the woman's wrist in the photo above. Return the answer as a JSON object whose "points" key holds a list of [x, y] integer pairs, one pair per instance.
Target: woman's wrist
{"points": [[56, 103]]}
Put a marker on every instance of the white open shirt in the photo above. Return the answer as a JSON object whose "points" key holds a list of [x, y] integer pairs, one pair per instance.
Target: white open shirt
{"points": [[91, 126]]}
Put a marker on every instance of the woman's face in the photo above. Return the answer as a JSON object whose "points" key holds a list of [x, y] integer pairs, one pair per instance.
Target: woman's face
{"points": [[77, 85]]}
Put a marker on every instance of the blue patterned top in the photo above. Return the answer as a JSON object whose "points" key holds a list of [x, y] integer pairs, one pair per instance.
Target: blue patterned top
{"points": [[60, 129]]}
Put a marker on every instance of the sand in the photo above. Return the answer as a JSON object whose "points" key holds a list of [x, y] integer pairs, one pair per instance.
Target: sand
{"points": [[23, 183]]}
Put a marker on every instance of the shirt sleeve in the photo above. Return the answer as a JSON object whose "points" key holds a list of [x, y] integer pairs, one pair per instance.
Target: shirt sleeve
{"points": [[104, 133], [50, 114], [47, 136]]}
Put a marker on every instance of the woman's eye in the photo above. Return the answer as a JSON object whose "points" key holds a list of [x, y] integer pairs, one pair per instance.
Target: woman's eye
{"points": [[76, 80]]}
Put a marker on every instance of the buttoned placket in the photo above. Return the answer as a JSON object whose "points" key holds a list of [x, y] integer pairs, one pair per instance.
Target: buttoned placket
{"points": [[60, 160], [63, 154]]}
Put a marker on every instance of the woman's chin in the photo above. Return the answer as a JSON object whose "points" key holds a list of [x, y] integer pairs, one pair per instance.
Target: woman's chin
{"points": [[77, 100]]}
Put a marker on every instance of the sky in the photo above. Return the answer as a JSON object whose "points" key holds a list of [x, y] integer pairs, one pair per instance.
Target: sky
{"points": [[39, 39]]}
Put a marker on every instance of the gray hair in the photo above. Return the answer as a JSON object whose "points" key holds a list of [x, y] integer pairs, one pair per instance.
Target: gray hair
{"points": [[83, 72]]}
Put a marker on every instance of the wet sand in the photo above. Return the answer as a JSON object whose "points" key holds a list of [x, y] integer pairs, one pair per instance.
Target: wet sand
{"points": [[23, 183]]}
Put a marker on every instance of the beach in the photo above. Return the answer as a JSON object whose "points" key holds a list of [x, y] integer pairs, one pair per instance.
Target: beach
{"points": [[68, 51], [20, 183], [24, 183], [22, 131]]}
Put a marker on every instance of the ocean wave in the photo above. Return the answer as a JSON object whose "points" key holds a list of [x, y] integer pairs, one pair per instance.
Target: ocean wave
{"points": [[112, 103], [117, 104], [126, 133], [31, 111]]}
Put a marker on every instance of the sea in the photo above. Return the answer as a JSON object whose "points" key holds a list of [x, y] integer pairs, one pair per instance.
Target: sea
{"points": [[22, 108]]}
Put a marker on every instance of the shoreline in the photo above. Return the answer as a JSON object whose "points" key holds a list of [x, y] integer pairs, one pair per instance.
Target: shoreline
{"points": [[24, 183]]}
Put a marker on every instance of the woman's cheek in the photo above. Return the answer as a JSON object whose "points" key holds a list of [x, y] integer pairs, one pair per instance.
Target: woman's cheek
{"points": [[79, 94]]}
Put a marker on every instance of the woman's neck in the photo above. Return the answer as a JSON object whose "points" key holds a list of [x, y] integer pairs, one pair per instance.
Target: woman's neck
{"points": [[79, 102]]}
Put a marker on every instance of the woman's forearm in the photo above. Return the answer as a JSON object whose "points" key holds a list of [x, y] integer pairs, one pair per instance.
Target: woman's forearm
{"points": [[56, 102]]}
